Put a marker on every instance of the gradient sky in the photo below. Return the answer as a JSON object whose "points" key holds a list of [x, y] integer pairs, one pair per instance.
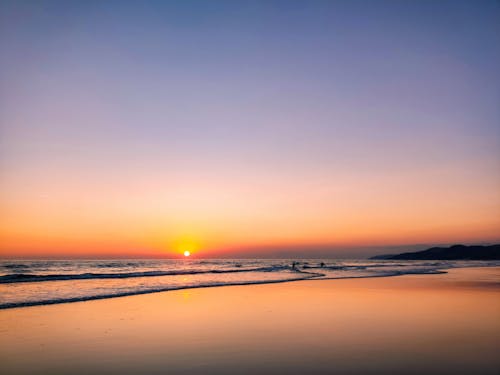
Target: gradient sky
{"points": [[234, 128]]}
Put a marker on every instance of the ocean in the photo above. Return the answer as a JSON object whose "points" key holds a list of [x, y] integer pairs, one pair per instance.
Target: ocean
{"points": [[40, 282]]}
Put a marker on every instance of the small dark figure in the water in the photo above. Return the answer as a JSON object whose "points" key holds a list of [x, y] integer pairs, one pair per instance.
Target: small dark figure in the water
{"points": [[322, 264], [294, 264]]}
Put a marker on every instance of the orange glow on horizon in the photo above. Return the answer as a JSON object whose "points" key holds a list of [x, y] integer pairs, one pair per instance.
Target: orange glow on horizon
{"points": [[243, 213]]}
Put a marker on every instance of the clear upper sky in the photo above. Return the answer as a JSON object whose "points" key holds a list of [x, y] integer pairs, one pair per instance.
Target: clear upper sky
{"points": [[149, 127]]}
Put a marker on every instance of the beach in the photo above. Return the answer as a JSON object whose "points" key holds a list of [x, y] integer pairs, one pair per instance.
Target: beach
{"points": [[412, 324]]}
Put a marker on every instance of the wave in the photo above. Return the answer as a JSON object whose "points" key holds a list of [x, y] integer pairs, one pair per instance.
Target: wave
{"points": [[15, 266], [389, 274], [25, 289], [54, 301], [29, 278], [347, 267], [305, 276]]}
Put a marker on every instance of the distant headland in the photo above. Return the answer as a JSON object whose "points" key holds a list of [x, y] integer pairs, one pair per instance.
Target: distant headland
{"points": [[455, 252]]}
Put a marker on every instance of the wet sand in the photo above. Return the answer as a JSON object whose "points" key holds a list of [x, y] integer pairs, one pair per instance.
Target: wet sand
{"points": [[413, 324]]}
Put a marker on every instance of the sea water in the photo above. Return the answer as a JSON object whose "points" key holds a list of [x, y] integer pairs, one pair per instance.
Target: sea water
{"points": [[40, 282]]}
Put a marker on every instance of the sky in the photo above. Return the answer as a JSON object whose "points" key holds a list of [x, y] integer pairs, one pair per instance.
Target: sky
{"points": [[247, 128]]}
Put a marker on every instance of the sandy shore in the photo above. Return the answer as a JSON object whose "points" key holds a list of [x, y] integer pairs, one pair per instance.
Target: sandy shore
{"points": [[416, 324]]}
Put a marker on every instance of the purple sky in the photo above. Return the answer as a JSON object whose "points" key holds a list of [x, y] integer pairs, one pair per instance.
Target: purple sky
{"points": [[315, 109]]}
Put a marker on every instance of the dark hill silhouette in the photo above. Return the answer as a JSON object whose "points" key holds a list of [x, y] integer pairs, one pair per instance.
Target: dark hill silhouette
{"points": [[455, 252]]}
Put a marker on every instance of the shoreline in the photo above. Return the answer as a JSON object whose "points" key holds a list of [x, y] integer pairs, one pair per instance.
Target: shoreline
{"points": [[433, 324], [314, 277]]}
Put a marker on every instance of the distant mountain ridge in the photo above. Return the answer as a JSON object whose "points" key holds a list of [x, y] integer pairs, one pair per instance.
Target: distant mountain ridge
{"points": [[455, 252]]}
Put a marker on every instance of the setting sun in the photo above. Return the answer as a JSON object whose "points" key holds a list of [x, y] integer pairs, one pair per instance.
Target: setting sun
{"points": [[187, 253]]}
